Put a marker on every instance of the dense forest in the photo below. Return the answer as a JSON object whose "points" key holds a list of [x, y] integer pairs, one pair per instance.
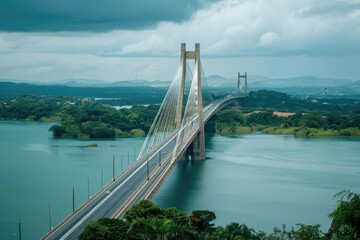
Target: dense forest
{"points": [[304, 117], [146, 220], [233, 120], [79, 117], [84, 118], [277, 101], [124, 95]]}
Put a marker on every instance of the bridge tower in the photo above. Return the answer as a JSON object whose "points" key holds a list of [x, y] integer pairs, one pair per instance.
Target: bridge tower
{"points": [[242, 76], [180, 101], [198, 151]]}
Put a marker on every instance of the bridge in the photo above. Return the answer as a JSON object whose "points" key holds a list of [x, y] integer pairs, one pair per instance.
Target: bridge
{"points": [[176, 133]]}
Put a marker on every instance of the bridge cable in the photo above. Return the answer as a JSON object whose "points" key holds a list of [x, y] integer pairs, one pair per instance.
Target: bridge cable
{"points": [[164, 122]]}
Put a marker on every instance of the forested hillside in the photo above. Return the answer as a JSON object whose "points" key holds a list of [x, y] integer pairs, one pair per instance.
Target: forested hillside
{"points": [[277, 101], [79, 117], [278, 113], [123, 95]]}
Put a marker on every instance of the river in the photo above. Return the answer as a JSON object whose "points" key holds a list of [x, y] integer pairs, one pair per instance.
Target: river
{"points": [[261, 180]]}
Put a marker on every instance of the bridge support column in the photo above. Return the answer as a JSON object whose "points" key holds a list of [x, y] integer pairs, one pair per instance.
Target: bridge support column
{"points": [[198, 153], [199, 141], [199, 148], [243, 76], [182, 86]]}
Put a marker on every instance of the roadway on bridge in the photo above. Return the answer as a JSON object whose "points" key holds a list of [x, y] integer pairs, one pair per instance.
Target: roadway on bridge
{"points": [[117, 194]]}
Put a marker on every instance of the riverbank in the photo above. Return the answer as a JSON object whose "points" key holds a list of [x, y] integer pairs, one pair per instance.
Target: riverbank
{"points": [[80, 118], [296, 131]]}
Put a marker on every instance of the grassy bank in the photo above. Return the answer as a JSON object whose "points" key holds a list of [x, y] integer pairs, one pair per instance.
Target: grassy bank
{"points": [[296, 131]]}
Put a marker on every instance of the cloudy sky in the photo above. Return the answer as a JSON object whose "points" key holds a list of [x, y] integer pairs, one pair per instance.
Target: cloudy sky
{"points": [[47, 40]]}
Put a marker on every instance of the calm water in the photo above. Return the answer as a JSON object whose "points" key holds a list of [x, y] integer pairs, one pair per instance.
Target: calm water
{"points": [[36, 169], [266, 180], [260, 180]]}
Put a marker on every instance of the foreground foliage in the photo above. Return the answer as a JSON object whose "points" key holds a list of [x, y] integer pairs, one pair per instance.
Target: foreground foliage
{"points": [[146, 220], [346, 217]]}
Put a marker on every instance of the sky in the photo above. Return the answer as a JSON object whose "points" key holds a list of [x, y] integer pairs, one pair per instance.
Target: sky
{"points": [[114, 40]]}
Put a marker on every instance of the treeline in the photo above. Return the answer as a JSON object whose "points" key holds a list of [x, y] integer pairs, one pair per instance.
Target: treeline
{"points": [[93, 120], [233, 120], [87, 118], [235, 117], [277, 101], [79, 117], [31, 108], [148, 221], [122, 95], [301, 117]]}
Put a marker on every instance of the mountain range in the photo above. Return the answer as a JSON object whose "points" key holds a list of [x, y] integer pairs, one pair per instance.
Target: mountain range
{"points": [[254, 81], [302, 86]]}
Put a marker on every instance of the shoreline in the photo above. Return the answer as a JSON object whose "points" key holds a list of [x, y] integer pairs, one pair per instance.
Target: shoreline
{"points": [[237, 129], [291, 131]]}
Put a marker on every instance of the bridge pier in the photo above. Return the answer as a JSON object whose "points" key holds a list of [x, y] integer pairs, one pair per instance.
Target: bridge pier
{"points": [[198, 151]]}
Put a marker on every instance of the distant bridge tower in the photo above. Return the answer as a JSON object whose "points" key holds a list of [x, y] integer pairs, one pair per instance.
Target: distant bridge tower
{"points": [[199, 141], [242, 76]]}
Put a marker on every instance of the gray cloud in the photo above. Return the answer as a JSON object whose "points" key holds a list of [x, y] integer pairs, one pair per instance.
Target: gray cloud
{"points": [[92, 15], [329, 8], [287, 35]]}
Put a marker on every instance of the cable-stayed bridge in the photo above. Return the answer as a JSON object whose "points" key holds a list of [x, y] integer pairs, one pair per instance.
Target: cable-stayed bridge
{"points": [[176, 133]]}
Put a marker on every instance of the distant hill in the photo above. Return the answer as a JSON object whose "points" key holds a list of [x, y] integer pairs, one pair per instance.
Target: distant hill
{"points": [[256, 81], [306, 81], [301, 86], [127, 95], [356, 83]]}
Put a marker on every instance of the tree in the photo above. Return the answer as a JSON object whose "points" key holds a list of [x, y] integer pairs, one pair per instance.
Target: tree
{"points": [[102, 132], [151, 228], [346, 217], [144, 209], [310, 232], [234, 231], [179, 217], [93, 231], [146, 220], [116, 228], [57, 130], [183, 231], [201, 220]]}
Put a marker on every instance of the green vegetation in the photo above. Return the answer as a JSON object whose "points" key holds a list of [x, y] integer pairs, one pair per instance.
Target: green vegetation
{"points": [[79, 117], [264, 100], [86, 118], [301, 118], [346, 217], [299, 124], [148, 221], [121, 95]]}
